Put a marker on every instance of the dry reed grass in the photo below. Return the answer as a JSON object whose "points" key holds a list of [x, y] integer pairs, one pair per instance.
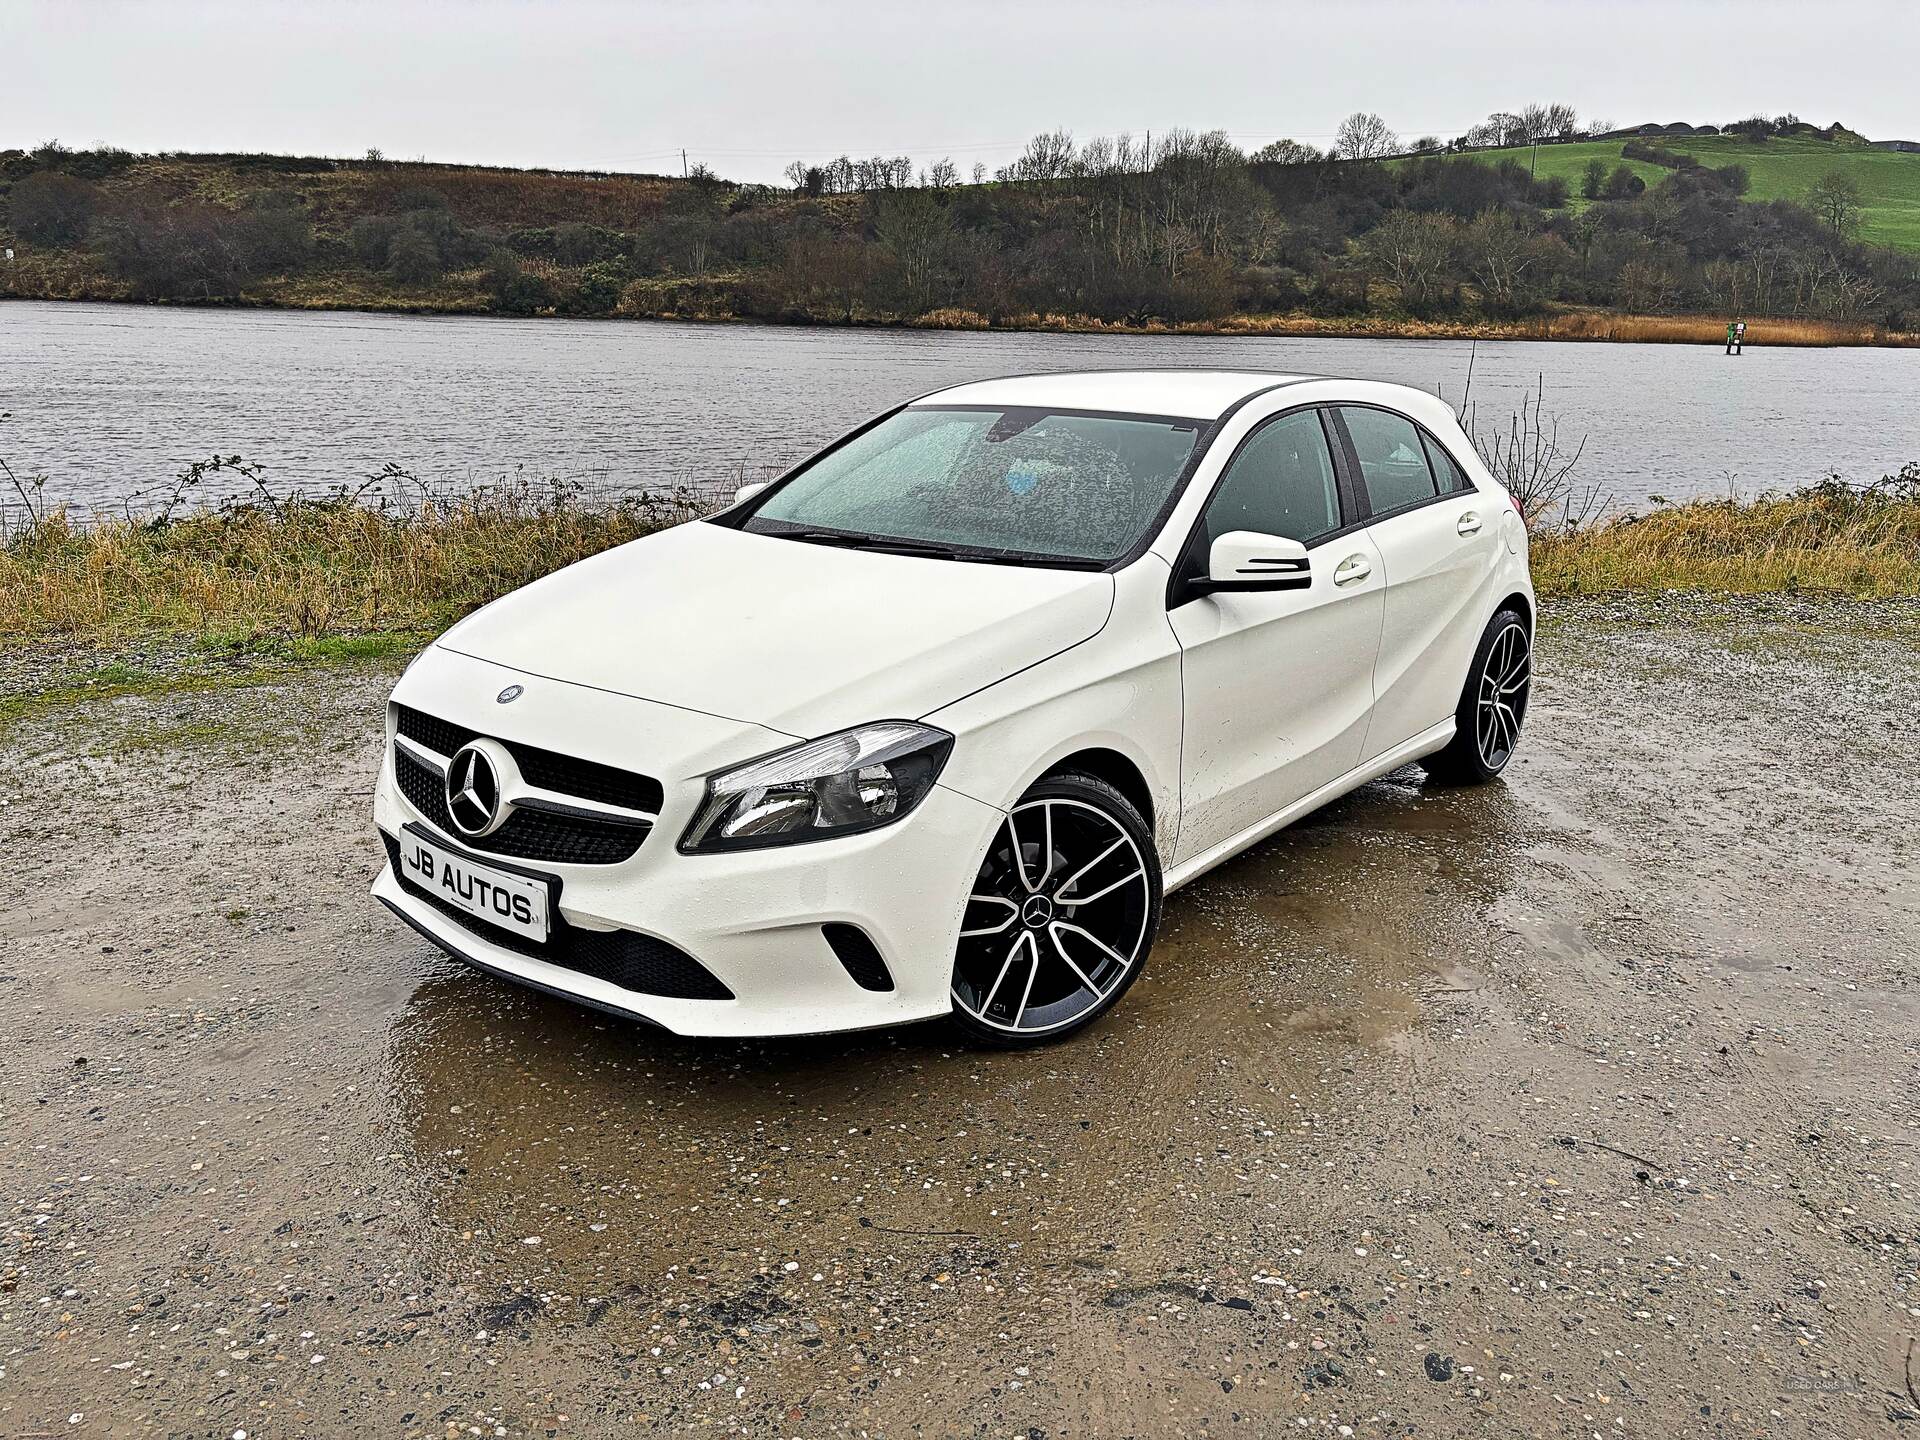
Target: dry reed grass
{"points": [[1712, 330], [337, 568], [1831, 538], [302, 568]]}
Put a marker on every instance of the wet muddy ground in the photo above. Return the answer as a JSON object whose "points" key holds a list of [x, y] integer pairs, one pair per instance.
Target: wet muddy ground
{"points": [[1585, 1104]]}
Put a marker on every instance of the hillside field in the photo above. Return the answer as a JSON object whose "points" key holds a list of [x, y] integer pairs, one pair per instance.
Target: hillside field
{"points": [[1778, 169]]}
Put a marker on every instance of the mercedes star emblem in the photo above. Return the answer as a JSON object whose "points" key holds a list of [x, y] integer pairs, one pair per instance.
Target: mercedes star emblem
{"points": [[473, 792]]}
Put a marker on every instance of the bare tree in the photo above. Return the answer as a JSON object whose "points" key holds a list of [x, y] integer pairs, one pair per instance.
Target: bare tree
{"points": [[1364, 136], [916, 229], [1285, 152], [1835, 198], [1546, 122], [943, 174], [1504, 128], [1047, 157], [1511, 265], [1415, 252]]}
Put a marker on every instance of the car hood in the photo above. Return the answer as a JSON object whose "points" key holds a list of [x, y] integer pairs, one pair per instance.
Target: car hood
{"points": [[798, 637]]}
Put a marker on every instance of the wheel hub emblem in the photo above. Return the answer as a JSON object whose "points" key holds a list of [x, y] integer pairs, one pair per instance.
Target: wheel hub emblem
{"points": [[1037, 911], [473, 792]]}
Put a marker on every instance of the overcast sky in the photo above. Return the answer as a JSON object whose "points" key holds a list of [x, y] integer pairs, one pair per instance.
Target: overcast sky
{"points": [[748, 86]]}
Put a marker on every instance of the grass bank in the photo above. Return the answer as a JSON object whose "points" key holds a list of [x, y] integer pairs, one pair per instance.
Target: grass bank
{"points": [[311, 583], [1559, 325], [315, 571], [1831, 538]]}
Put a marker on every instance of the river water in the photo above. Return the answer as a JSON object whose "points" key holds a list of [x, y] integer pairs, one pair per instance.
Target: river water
{"points": [[110, 402]]}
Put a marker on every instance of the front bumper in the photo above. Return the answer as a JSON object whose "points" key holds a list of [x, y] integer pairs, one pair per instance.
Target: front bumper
{"points": [[753, 919]]}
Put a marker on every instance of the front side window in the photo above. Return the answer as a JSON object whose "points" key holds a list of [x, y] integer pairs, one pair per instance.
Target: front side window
{"points": [[1019, 484], [1280, 483], [1393, 462]]}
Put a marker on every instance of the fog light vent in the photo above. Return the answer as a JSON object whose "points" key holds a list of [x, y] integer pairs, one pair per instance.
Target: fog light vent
{"points": [[857, 953]]}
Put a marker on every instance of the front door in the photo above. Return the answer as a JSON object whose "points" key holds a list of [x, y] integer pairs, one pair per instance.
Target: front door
{"points": [[1277, 685]]}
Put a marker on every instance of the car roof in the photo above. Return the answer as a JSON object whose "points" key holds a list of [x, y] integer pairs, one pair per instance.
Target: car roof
{"points": [[1190, 394]]}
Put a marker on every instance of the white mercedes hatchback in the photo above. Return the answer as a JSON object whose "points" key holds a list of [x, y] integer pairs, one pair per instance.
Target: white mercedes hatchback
{"points": [[932, 723]]}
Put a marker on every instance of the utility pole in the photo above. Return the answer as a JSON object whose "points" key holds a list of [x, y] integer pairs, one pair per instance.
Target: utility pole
{"points": [[1149, 149], [683, 162]]}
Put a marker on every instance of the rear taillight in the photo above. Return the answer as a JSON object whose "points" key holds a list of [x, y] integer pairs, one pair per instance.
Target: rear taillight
{"points": [[1518, 509]]}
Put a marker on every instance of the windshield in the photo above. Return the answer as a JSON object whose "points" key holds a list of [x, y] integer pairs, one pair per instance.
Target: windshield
{"points": [[988, 483]]}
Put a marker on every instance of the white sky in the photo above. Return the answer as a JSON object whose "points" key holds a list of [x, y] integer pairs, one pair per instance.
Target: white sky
{"points": [[747, 86]]}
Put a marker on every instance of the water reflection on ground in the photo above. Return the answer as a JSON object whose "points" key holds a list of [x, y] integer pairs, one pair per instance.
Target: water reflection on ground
{"points": [[570, 1149]]}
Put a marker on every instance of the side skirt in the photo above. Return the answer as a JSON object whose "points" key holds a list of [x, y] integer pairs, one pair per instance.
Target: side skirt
{"points": [[1425, 743]]}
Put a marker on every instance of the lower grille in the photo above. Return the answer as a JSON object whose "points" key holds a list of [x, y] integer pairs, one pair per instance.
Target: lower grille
{"points": [[643, 964], [528, 834]]}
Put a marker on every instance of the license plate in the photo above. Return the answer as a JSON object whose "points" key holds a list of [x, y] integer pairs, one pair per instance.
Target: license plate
{"points": [[499, 897]]}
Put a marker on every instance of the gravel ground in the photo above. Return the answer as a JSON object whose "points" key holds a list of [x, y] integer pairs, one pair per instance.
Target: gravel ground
{"points": [[1587, 1104]]}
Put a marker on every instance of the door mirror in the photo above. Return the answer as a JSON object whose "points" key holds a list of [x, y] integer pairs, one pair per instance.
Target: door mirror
{"points": [[747, 492], [1246, 560]]}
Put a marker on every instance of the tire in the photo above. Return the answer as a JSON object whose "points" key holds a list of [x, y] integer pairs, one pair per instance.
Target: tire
{"points": [[1030, 967], [1500, 677]]}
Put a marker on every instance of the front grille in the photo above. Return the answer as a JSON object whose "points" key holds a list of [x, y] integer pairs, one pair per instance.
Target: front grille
{"points": [[643, 964], [529, 834], [548, 769]]}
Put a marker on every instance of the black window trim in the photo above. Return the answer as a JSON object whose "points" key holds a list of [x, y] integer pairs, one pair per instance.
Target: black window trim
{"points": [[1374, 517], [1353, 514]]}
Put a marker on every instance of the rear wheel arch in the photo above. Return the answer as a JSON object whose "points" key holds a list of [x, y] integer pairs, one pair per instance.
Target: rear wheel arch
{"points": [[1521, 601]]}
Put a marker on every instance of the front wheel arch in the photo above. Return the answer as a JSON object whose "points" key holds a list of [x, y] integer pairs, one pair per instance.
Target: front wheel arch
{"points": [[1021, 980]]}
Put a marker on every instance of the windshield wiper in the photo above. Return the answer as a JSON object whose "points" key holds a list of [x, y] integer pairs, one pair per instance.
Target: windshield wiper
{"points": [[889, 545], [851, 541]]}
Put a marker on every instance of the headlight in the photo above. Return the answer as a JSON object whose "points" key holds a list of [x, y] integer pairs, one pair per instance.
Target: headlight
{"points": [[859, 779]]}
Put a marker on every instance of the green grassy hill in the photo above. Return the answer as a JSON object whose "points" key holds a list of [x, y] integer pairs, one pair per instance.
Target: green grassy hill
{"points": [[1778, 169]]}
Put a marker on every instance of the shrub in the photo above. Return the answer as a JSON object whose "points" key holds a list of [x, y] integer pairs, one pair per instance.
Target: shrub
{"points": [[53, 209], [1622, 184], [412, 257], [273, 233], [512, 289], [174, 252], [599, 289]]}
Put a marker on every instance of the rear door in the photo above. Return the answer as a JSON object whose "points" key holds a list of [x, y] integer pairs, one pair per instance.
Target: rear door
{"points": [[1276, 685], [1439, 540]]}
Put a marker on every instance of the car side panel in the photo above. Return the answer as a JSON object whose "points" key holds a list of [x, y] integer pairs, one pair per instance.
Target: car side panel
{"points": [[1437, 599], [1278, 687], [1119, 691]]}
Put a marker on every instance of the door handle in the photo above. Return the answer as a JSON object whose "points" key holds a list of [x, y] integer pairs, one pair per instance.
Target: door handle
{"points": [[1469, 523], [1352, 570]]}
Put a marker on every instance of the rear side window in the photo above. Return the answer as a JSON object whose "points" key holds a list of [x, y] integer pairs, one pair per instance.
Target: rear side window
{"points": [[1281, 483], [1446, 474], [1393, 461]]}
